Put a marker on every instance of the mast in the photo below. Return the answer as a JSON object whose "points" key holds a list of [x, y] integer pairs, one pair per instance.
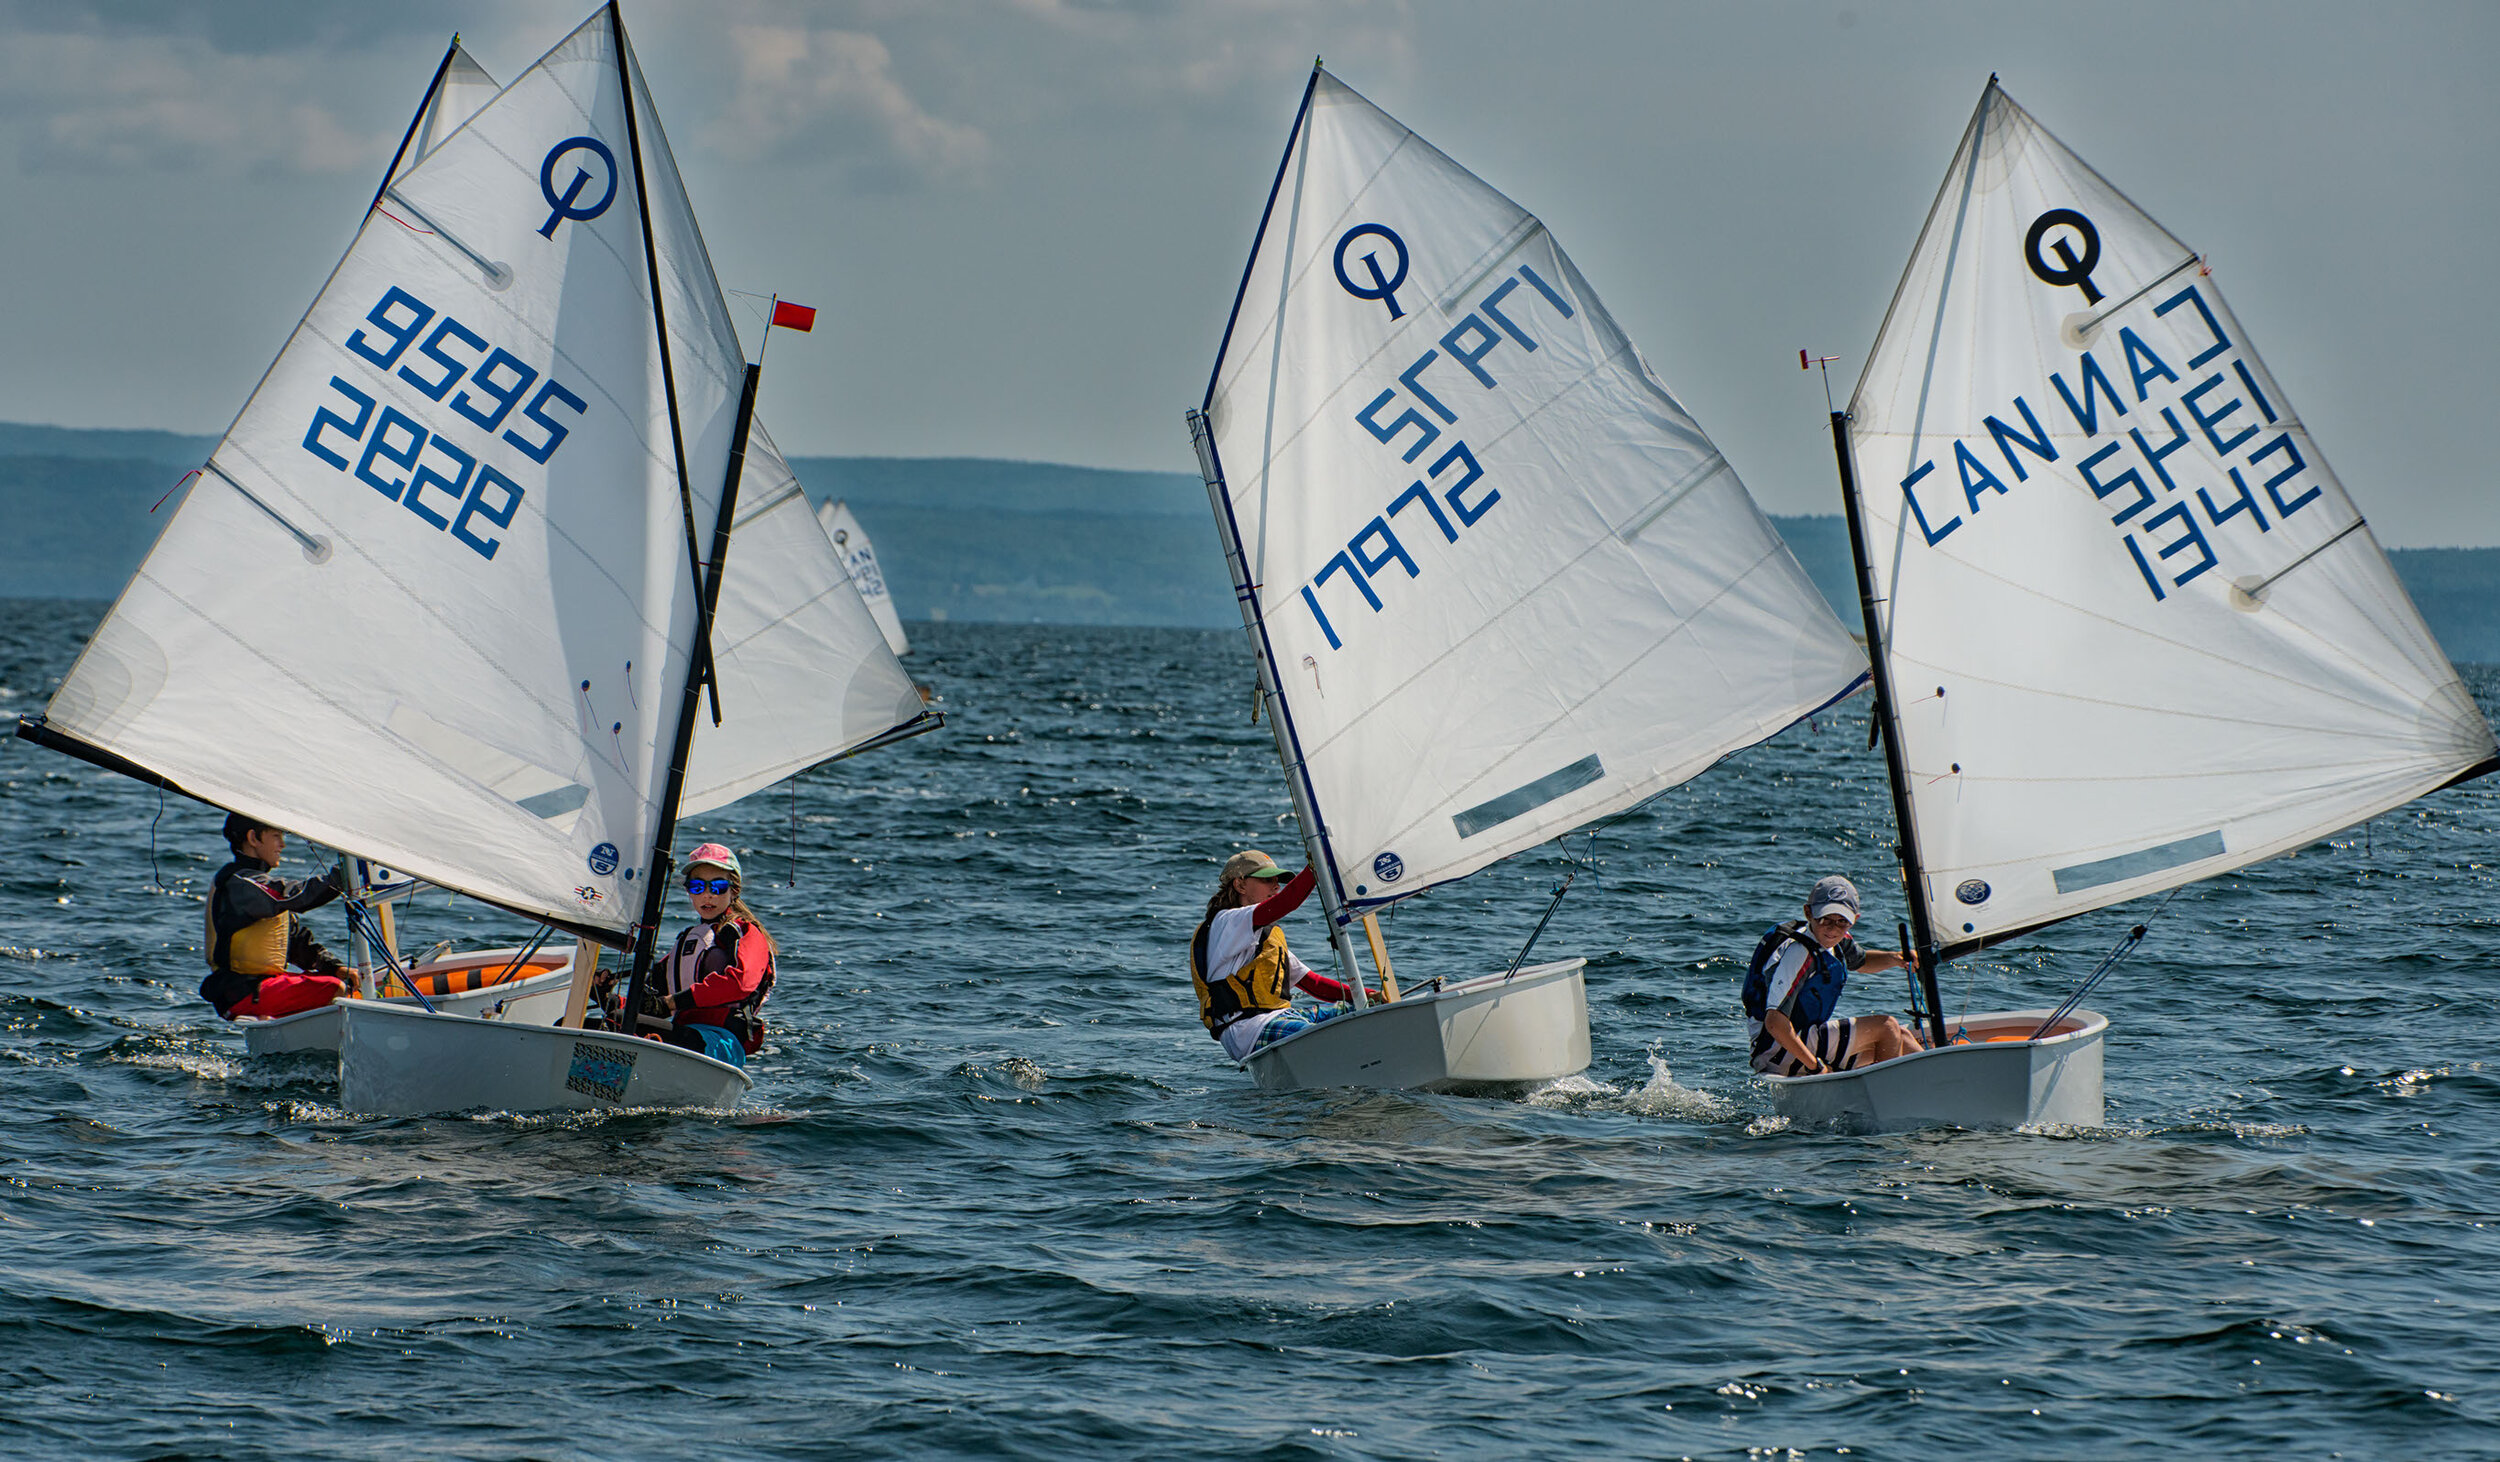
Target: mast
{"points": [[707, 576], [1913, 870], [655, 891], [668, 360]]}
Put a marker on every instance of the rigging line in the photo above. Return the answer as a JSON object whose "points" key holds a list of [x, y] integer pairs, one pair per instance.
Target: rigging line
{"points": [[2108, 962], [523, 957], [361, 923], [155, 875], [1541, 923]]}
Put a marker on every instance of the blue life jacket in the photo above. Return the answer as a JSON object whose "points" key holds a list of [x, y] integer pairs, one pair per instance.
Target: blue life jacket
{"points": [[1818, 994]]}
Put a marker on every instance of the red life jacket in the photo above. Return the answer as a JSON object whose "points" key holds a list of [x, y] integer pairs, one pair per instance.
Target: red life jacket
{"points": [[702, 951]]}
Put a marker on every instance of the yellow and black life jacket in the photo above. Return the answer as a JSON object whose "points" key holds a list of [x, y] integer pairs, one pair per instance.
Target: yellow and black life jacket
{"points": [[257, 948], [1264, 981]]}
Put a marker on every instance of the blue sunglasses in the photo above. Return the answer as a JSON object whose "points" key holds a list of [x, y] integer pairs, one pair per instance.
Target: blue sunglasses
{"points": [[708, 885]]}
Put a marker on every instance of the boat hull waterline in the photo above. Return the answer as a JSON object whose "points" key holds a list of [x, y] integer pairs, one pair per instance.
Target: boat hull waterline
{"points": [[1491, 1032], [2001, 1078], [397, 1062], [535, 999]]}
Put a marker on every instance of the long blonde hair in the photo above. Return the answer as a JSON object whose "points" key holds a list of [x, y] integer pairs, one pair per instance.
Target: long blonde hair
{"points": [[738, 910]]}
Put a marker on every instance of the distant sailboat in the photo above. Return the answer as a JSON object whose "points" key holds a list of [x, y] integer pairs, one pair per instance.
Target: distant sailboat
{"points": [[475, 479], [1499, 584], [2129, 631], [860, 557]]}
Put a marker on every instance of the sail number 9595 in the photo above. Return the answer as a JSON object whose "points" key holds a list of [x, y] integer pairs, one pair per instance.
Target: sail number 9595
{"points": [[415, 466]]}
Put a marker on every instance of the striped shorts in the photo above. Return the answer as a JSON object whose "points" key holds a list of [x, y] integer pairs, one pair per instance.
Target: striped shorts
{"points": [[1829, 1042]]}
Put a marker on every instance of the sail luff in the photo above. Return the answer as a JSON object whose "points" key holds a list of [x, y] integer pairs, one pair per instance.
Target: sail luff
{"points": [[433, 89], [1314, 832], [1241, 291]]}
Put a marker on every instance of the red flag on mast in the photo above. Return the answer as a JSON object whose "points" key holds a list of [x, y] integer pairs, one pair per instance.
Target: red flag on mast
{"points": [[801, 318]]}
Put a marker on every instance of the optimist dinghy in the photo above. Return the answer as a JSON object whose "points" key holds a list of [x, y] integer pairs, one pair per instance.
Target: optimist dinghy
{"points": [[476, 475], [2128, 630], [1497, 582]]}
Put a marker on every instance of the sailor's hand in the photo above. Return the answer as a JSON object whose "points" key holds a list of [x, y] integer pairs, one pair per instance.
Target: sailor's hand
{"points": [[1818, 1068]]}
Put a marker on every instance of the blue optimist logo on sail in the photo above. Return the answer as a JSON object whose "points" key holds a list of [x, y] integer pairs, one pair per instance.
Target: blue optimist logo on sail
{"points": [[1383, 287], [568, 204]]}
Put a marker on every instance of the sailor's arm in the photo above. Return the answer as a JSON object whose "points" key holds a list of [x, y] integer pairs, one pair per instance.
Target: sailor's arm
{"points": [[1879, 960]]}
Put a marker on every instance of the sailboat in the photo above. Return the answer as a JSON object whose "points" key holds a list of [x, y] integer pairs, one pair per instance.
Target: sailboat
{"points": [[1498, 583], [860, 557], [2128, 630], [494, 476]]}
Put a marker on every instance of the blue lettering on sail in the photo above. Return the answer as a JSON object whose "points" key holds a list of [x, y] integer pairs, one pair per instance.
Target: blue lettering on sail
{"points": [[2178, 517], [1409, 419], [405, 458]]}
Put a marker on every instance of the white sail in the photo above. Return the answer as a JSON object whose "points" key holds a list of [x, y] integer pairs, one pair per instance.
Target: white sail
{"points": [[1509, 584], [805, 672], [2138, 633], [860, 557], [434, 597], [462, 89]]}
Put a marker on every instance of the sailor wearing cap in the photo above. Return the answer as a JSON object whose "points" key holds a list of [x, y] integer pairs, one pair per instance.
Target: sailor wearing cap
{"points": [[1244, 975], [1792, 992]]}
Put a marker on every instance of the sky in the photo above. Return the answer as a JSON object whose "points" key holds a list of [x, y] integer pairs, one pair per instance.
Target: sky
{"points": [[1024, 220]]}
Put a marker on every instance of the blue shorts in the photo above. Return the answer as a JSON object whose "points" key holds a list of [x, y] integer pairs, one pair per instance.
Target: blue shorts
{"points": [[1293, 1021]]}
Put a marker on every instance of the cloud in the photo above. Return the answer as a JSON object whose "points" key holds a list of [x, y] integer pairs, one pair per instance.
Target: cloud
{"points": [[832, 95], [84, 103]]}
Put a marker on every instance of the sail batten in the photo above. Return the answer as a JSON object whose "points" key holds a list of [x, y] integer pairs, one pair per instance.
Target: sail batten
{"points": [[2138, 632], [1506, 585]]}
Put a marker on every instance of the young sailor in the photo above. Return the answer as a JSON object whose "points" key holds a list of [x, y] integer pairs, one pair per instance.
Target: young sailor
{"points": [[253, 934], [1792, 992], [716, 977], [1244, 974]]}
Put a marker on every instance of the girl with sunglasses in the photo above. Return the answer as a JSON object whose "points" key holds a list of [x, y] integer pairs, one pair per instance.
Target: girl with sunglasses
{"points": [[714, 980]]}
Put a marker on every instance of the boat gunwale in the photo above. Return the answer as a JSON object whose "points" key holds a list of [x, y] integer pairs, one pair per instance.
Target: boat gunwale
{"points": [[1479, 985], [2092, 1024], [616, 1038]]}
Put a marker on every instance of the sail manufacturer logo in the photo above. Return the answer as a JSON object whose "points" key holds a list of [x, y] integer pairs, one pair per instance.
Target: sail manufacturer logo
{"points": [[568, 203], [1388, 868], [603, 859], [1383, 286]]}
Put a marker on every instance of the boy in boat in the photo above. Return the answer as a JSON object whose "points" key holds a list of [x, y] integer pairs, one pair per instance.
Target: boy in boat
{"points": [[1792, 992], [253, 934], [1244, 975]]}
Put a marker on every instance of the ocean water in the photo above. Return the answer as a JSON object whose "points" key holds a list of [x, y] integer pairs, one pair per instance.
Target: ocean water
{"points": [[996, 1193]]}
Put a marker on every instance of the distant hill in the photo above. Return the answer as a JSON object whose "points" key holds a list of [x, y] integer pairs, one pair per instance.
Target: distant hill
{"points": [[964, 538]]}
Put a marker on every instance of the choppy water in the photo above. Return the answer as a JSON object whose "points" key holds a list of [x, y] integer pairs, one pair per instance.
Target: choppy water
{"points": [[998, 1195]]}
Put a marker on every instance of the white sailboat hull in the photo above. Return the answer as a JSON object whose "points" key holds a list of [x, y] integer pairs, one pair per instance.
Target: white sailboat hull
{"points": [[402, 1062], [1488, 1032], [2000, 1079], [536, 1000]]}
